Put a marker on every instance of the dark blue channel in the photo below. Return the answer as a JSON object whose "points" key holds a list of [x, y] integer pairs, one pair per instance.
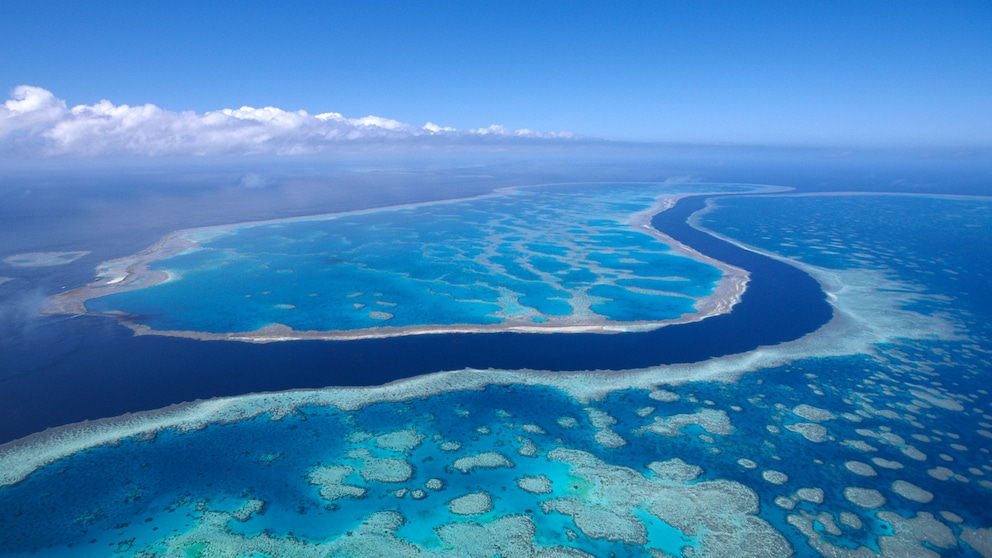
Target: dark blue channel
{"points": [[89, 367]]}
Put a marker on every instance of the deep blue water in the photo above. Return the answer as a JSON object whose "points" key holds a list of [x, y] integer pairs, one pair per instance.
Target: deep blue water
{"points": [[141, 492], [124, 373], [944, 241]]}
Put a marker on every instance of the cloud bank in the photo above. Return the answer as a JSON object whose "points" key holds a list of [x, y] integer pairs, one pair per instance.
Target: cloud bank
{"points": [[35, 121]]}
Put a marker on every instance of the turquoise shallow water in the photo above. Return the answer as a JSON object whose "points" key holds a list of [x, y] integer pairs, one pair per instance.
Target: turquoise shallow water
{"points": [[544, 255], [796, 438]]}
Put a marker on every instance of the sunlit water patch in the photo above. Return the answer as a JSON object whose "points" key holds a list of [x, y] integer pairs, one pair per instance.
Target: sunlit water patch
{"points": [[554, 258]]}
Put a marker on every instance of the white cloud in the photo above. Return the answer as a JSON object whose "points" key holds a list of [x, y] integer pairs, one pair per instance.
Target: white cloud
{"points": [[435, 129], [29, 110], [36, 121]]}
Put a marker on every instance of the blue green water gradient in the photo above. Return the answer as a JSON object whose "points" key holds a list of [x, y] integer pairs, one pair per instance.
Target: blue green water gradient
{"points": [[779, 461], [554, 255]]}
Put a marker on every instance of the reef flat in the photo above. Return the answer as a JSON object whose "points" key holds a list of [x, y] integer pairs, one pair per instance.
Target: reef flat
{"points": [[868, 437], [552, 259], [44, 259]]}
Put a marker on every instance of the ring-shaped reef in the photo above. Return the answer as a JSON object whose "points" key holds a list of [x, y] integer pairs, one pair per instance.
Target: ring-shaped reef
{"points": [[556, 258]]}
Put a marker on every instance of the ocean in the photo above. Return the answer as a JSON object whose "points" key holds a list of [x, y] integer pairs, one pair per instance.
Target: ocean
{"points": [[841, 408]]}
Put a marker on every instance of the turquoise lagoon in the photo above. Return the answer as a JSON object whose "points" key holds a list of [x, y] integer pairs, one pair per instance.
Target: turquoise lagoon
{"points": [[548, 257], [868, 437]]}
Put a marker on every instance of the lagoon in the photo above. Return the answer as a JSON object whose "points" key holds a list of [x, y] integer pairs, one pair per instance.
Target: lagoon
{"points": [[560, 258]]}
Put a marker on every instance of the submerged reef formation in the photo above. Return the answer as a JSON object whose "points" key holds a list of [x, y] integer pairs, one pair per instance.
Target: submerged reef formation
{"points": [[43, 259], [459, 477], [868, 437], [565, 258], [520, 471]]}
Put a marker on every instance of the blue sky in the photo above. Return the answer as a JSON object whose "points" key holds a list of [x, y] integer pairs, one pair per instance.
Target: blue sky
{"points": [[840, 73]]}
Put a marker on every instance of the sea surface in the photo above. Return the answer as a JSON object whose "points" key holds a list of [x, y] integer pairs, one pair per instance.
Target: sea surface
{"points": [[841, 409], [561, 255], [127, 373]]}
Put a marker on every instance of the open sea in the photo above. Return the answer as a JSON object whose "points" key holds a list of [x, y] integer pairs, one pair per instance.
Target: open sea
{"points": [[841, 409]]}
